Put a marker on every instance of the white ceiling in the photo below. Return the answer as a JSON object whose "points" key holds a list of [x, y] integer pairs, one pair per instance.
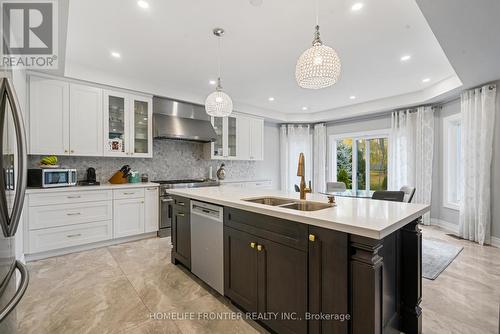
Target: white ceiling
{"points": [[169, 50]]}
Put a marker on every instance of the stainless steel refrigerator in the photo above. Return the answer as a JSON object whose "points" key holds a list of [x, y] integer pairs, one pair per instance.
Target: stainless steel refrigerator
{"points": [[12, 189]]}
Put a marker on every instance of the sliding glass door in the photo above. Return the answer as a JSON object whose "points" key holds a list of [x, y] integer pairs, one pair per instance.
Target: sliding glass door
{"points": [[360, 161]]}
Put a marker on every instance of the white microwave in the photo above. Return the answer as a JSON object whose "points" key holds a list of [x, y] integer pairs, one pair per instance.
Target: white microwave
{"points": [[49, 178]]}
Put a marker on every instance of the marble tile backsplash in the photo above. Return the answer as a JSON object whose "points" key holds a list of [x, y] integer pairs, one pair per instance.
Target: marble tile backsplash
{"points": [[172, 159]]}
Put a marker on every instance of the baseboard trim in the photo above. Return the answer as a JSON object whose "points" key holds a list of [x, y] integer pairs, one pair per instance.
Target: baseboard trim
{"points": [[495, 242], [453, 228], [75, 249]]}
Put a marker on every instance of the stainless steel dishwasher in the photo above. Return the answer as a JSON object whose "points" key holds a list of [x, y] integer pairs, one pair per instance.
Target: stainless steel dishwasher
{"points": [[207, 257]]}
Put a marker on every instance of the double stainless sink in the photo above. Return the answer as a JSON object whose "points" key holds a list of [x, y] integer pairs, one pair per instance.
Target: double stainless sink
{"points": [[288, 203]]}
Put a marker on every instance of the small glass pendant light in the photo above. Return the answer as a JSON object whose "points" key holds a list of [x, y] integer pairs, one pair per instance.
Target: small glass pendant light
{"points": [[218, 103], [319, 66]]}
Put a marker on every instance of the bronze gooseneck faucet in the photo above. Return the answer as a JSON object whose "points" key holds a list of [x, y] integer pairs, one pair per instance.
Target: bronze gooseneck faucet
{"points": [[301, 171]]}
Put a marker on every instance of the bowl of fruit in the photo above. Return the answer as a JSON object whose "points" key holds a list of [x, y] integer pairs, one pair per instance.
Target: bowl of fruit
{"points": [[49, 162]]}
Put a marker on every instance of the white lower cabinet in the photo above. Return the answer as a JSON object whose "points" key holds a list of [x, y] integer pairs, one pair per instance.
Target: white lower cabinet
{"points": [[62, 219], [128, 217], [69, 214], [151, 209], [67, 236]]}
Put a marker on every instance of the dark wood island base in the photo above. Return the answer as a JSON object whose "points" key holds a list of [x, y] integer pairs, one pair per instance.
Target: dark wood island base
{"points": [[299, 278]]}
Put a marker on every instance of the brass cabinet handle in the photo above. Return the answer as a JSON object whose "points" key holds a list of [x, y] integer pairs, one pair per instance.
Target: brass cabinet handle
{"points": [[312, 237], [181, 203], [70, 197], [72, 151], [73, 214], [180, 214], [74, 235], [65, 151], [259, 247], [252, 244], [129, 193]]}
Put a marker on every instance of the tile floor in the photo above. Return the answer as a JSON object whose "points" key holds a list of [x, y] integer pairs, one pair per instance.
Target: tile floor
{"points": [[116, 289]]}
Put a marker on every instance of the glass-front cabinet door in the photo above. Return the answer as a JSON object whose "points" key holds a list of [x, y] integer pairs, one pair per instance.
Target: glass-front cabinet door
{"points": [[225, 145], [218, 145], [142, 145], [231, 137], [116, 124]]}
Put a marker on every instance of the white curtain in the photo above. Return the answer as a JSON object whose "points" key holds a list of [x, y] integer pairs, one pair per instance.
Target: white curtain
{"points": [[294, 139], [319, 156], [478, 118], [411, 153]]}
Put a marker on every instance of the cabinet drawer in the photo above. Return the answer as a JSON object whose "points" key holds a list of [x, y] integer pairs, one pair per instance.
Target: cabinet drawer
{"points": [[67, 197], [285, 232], [181, 202], [67, 236], [69, 214], [128, 193]]}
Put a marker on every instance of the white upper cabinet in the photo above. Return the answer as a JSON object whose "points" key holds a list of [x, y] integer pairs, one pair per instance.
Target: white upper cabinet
{"points": [[244, 137], [116, 124], [127, 125], [141, 126], [85, 121], [239, 137], [256, 139], [67, 117], [48, 116]]}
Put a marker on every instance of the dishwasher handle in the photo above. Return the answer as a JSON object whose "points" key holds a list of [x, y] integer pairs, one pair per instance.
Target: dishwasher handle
{"points": [[206, 211]]}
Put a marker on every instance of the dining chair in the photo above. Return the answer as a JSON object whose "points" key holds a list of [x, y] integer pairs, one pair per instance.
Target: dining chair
{"points": [[385, 195], [335, 187], [409, 193]]}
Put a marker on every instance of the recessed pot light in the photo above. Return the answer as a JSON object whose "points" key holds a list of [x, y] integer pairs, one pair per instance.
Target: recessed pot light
{"points": [[143, 4], [116, 54], [304, 108], [256, 3], [212, 82], [357, 6], [405, 58], [352, 97], [271, 99], [426, 80]]}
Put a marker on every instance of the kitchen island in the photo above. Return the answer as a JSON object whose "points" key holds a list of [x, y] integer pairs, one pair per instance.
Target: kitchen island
{"points": [[350, 268]]}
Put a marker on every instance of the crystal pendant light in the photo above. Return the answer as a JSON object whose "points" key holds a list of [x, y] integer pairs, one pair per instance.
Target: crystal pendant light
{"points": [[319, 66], [218, 103]]}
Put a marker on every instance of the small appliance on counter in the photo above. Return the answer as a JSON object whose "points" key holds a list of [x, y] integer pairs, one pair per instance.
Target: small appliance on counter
{"points": [[91, 178], [53, 177], [221, 172], [134, 177], [121, 176]]}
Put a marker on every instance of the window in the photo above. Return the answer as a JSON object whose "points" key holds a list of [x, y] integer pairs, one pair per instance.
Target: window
{"points": [[360, 160], [452, 162]]}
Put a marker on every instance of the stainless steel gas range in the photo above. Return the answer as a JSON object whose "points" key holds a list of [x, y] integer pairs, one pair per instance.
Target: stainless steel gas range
{"points": [[166, 199]]}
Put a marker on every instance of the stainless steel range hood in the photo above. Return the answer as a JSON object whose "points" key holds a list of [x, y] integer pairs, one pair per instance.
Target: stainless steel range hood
{"points": [[181, 120]]}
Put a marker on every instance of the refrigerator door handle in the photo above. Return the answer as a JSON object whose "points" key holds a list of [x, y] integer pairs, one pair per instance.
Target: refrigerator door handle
{"points": [[11, 223], [20, 291]]}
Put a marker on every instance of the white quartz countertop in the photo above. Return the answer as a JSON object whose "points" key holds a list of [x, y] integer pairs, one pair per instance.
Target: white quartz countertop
{"points": [[102, 186], [365, 217]]}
